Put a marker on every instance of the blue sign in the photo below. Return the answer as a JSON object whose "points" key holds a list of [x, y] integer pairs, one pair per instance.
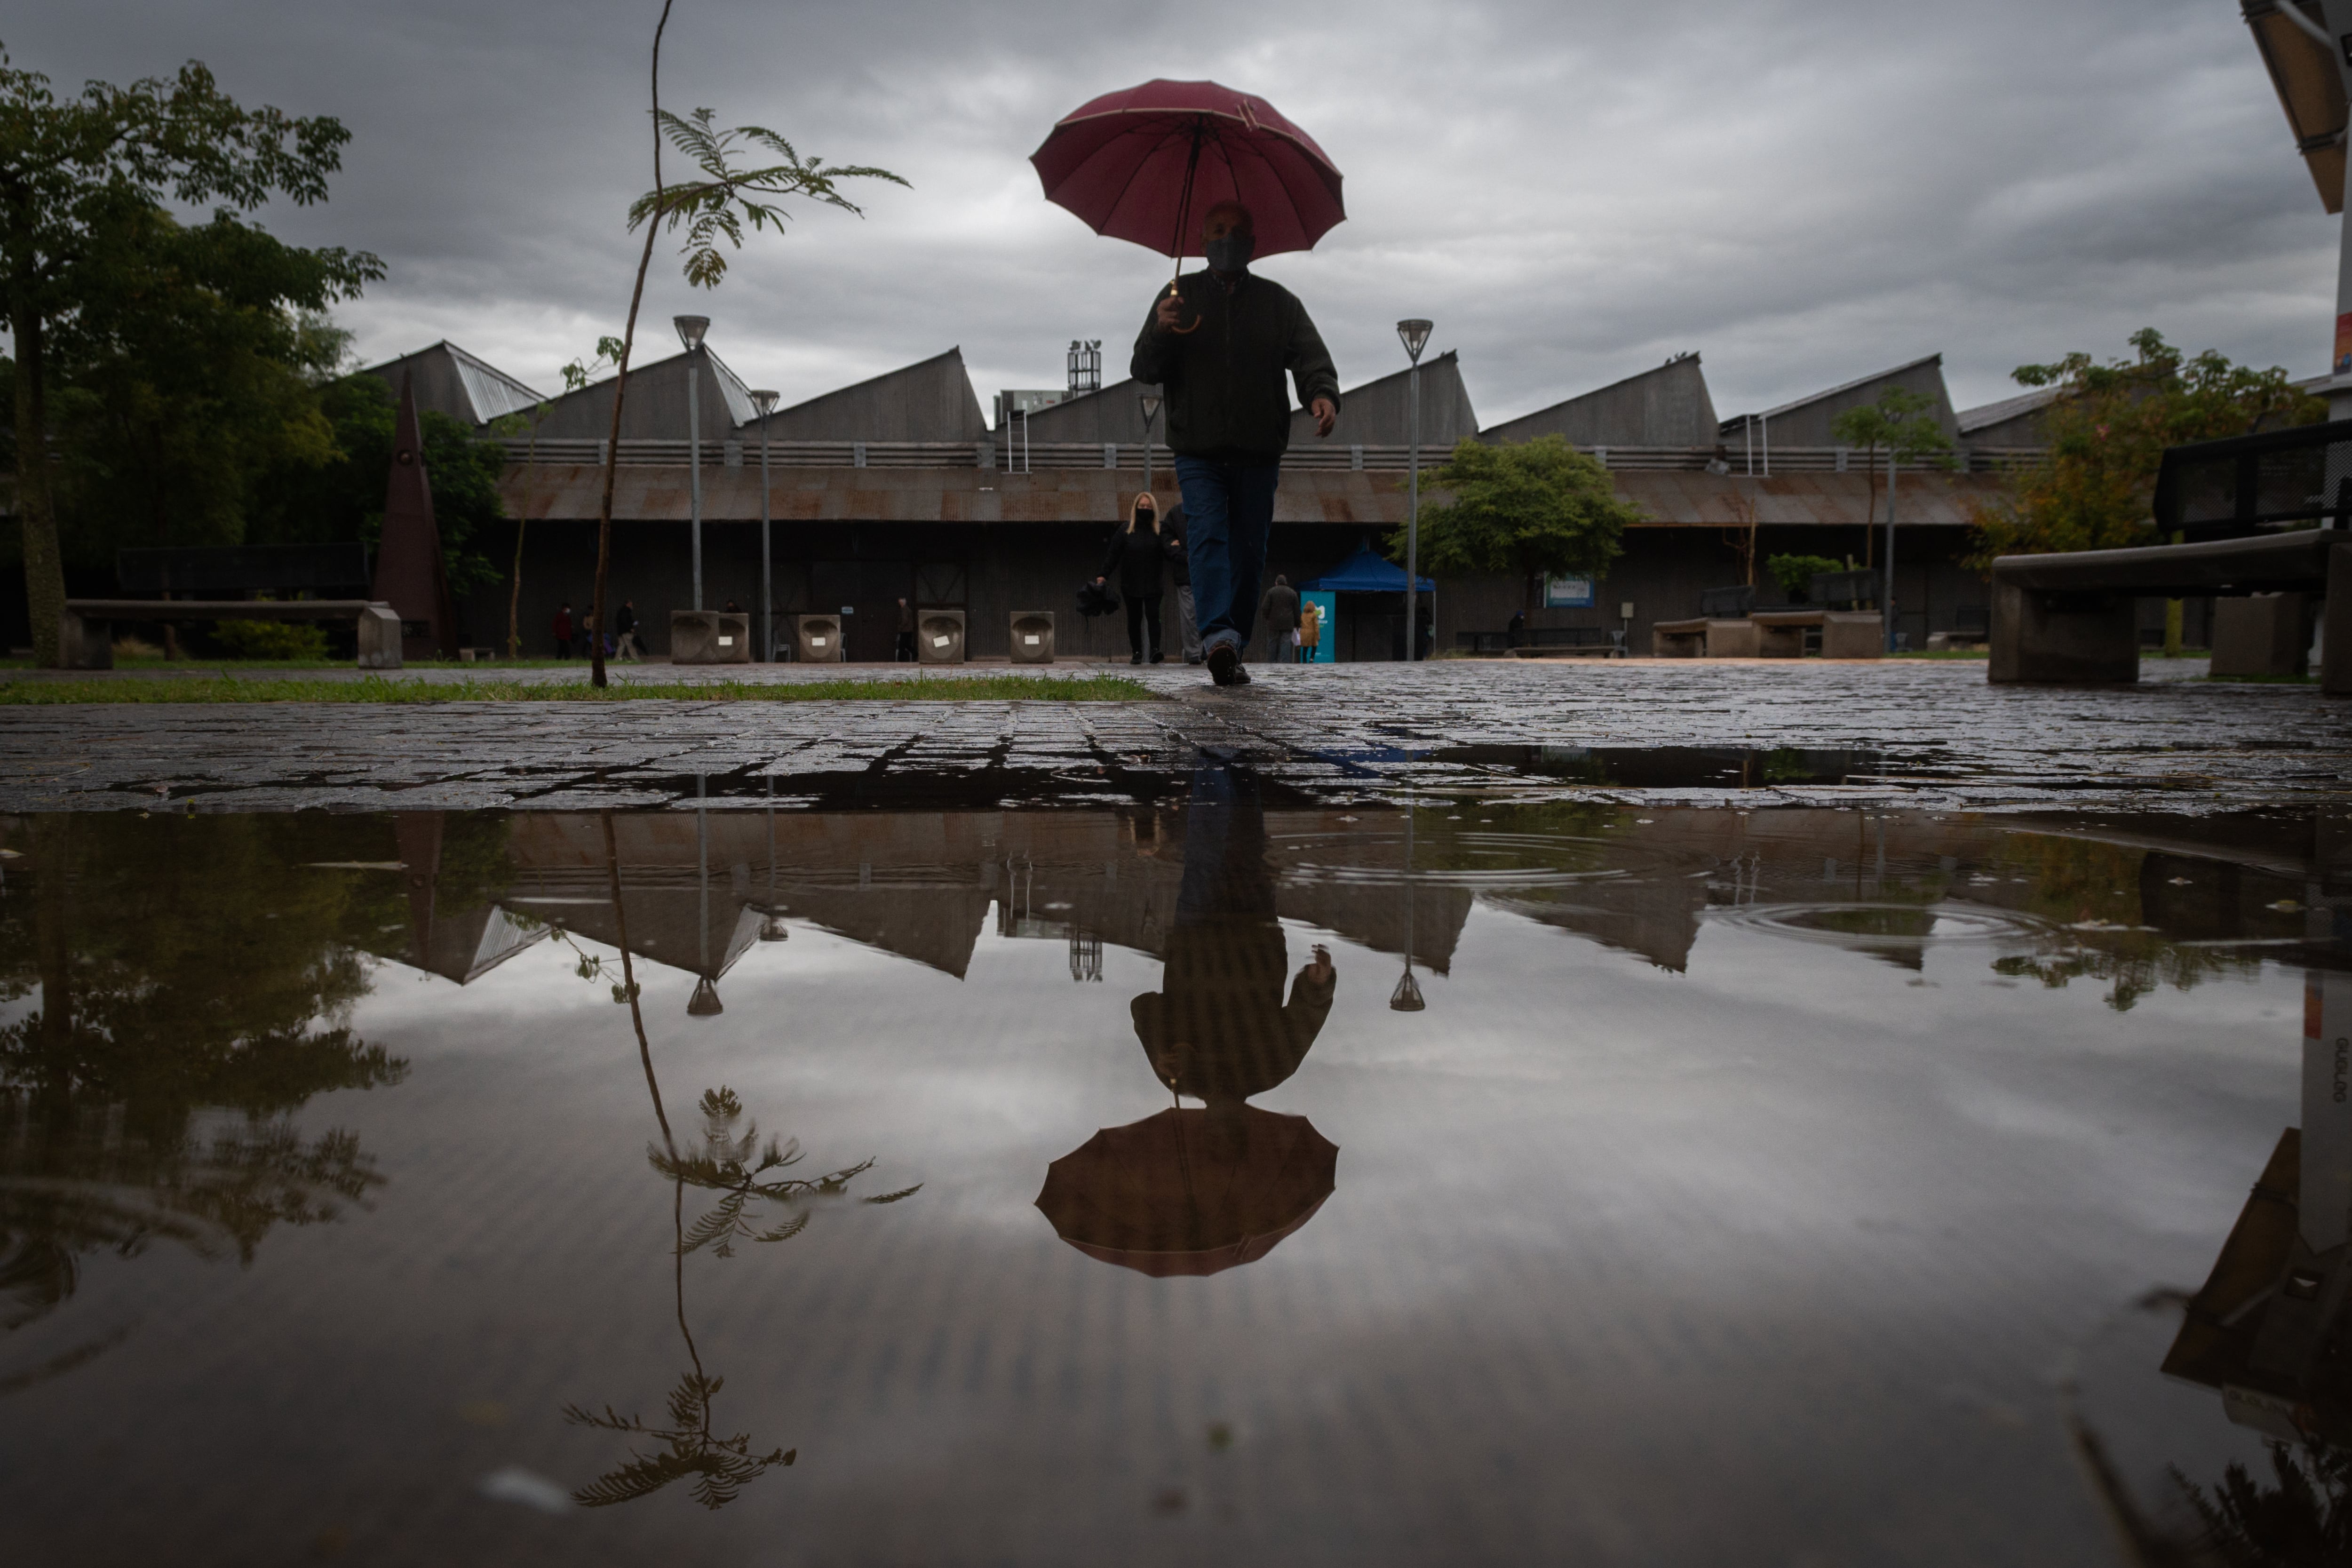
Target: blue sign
{"points": [[1568, 593]]}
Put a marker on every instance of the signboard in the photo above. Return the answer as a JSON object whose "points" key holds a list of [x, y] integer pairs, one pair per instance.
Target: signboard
{"points": [[1568, 593]]}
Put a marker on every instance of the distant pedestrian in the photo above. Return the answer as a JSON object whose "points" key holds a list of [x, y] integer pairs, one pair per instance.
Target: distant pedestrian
{"points": [[1515, 632], [1179, 577], [1139, 555], [564, 631], [624, 627], [906, 649], [1310, 630], [1220, 343], [1280, 613], [733, 608]]}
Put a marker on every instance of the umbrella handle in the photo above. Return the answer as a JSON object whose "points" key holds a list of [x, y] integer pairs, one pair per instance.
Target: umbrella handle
{"points": [[1174, 294]]}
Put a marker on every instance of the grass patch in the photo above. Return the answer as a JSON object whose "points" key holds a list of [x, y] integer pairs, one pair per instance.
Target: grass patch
{"points": [[2256, 679], [226, 688]]}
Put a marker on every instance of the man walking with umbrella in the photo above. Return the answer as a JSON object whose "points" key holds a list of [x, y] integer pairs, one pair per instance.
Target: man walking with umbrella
{"points": [[1219, 341]]}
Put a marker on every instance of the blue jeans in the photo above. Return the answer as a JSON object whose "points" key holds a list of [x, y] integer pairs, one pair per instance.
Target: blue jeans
{"points": [[1228, 507]]}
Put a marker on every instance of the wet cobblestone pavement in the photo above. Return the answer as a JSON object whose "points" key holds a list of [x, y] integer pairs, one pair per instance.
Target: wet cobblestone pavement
{"points": [[1926, 734]]}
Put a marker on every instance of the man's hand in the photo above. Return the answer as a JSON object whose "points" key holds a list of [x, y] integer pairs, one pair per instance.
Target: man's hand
{"points": [[1320, 971], [1326, 415], [1098, 582], [1167, 314]]}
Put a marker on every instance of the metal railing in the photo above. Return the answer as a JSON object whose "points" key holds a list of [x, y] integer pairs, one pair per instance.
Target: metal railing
{"points": [[1308, 456]]}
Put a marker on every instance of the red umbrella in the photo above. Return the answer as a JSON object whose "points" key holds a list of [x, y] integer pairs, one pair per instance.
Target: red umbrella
{"points": [[1189, 1191], [1144, 163]]}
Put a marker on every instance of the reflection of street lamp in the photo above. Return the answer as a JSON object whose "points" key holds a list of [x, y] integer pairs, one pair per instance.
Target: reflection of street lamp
{"points": [[1406, 997], [705, 1002], [1149, 403], [690, 331], [772, 925], [1414, 335], [765, 402]]}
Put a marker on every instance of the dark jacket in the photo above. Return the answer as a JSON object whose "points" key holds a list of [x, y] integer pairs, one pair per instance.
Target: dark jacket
{"points": [[1279, 609], [1133, 562], [1223, 381], [1172, 544]]}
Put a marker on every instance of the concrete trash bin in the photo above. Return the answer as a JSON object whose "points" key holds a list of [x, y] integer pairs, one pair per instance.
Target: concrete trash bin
{"points": [[817, 640], [1033, 637], [710, 637], [938, 636]]}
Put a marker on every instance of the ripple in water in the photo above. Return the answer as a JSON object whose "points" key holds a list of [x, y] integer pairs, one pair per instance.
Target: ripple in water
{"points": [[1882, 925]]}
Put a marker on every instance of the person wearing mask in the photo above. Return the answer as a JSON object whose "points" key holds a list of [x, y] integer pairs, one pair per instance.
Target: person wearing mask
{"points": [[1280, 613], [1179, 577], [562, 629], [1136, 553], [1219, 343]]}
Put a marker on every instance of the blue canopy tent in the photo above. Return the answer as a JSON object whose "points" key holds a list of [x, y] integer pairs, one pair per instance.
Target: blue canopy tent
{"points": [[1367, 573]]}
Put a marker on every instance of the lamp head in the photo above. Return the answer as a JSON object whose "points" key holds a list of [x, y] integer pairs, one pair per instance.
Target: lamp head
{"points": [[765, 402], [1406, 997], [1414, 335], [1151, 405], [705, 1003], [690, 330]]}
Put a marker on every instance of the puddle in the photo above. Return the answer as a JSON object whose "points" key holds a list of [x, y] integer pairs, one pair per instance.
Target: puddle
{"points": [[1217, 1174]]}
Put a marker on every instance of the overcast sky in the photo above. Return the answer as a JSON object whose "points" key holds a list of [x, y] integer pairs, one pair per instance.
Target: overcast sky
{"points": [[1804, 191]]}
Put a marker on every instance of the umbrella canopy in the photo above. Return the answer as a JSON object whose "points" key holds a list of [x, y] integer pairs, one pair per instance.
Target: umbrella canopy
{"points": [[1189, 1191], [1143, 164]]}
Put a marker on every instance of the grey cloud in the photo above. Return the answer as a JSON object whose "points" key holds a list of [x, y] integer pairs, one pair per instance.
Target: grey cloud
{"points": [[1802, 191]]}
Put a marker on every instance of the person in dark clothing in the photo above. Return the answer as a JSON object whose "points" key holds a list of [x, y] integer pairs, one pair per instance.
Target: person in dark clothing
{"points": [[1179, 577], [1219, 343], [1138, 553], [1218, 1028], [1515, 631], [625, 631], [1280, 613], [905, 653], [564, 631]]}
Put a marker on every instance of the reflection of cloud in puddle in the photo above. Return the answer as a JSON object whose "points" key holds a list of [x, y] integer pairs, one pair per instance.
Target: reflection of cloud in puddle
{"points": [[516, 1485], [1849, 924]]}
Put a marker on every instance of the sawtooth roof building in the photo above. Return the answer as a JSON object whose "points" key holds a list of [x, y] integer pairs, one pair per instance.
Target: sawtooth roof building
{"points": [[898, 486]]}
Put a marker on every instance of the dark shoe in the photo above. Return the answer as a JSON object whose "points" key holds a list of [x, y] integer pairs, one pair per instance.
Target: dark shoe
{"points": [[1241, 675], [1158, 659], [1226, 664], [1135, 658]]}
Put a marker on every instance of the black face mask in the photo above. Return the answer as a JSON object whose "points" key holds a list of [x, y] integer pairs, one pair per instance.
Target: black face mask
{"points": [[1144, 514], [1231, 254]]}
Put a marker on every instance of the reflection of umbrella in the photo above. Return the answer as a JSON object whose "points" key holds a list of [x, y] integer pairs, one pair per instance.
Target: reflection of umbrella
{"points": [[1189, 1191], [1142, 164]]}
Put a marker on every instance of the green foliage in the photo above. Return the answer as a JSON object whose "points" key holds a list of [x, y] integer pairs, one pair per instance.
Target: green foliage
{"points": [[2303, 1516], [85, 251], [716, 206], [719, 1467], [1901, 422], [1532, 509], [2106, 432], [272, 639], [1795, 574], [342, 499]]}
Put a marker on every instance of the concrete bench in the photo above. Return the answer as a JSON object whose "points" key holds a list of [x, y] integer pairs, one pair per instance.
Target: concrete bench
{"points": [[2070, 617], [1836, 634], [1704, 638], [86, 626]]}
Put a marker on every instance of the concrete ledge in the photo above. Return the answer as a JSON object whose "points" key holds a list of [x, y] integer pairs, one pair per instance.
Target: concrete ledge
{"points": [[2268, 633]]}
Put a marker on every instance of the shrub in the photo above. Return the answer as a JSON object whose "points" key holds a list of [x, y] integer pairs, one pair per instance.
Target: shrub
{"points": [[301, 640], [1795, 574]]}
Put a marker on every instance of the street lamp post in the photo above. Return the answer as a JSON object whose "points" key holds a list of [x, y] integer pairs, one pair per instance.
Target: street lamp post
{"points": [[765, 402], [1149, 403], [691, 332], [1414, 335]]}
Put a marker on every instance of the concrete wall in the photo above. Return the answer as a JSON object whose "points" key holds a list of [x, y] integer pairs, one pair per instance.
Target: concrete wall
{"points": [[929, 401], [1110, 415], [654, 409], [1378, 413], [1806, 422]]}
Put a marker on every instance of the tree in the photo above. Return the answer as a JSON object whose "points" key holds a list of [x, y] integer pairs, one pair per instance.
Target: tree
{"points": [[1537, 509], [1903, 423], [2094, 486], [575, 376], [711, 208], [80, 180], [342, 499]]}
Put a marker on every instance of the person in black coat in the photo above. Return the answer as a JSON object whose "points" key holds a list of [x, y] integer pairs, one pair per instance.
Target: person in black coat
{"points": [[1136, 553]]}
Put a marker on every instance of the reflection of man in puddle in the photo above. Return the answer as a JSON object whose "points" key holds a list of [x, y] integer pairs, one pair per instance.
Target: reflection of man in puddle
{"points": [[1218, 1029]]}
